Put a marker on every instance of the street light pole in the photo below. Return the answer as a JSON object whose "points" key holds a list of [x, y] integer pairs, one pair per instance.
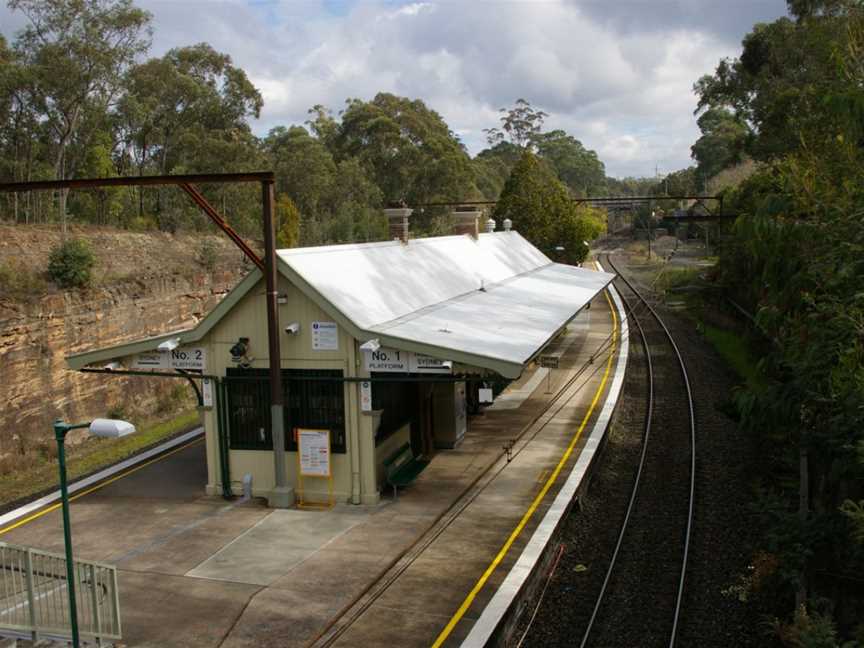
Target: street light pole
{"points": [[106, 428], [60, 431]]}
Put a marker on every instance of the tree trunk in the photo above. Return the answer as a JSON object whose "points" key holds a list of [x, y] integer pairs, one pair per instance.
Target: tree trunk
{"points": [[803, 510]]}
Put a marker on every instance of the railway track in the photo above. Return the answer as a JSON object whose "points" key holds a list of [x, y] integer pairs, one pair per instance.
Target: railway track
{"points": [[639, 602], [350, 613]]}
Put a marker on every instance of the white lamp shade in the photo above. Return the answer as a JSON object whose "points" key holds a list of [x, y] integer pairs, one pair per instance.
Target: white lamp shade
{"points": [[111, 428]]}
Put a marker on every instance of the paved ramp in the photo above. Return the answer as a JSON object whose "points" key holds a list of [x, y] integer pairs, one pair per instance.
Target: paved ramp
{"points": [[277, 544]]}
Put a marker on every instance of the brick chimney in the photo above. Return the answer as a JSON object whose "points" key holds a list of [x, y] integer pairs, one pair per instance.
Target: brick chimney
{"points": [[467, 222], [397, 217]]}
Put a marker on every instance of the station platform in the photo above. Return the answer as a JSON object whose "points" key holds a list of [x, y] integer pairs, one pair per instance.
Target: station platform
{"points": [[417, 570]]}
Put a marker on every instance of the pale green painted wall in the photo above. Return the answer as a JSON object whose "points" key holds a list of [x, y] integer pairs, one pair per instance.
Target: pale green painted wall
{"points": [[249, 319]]}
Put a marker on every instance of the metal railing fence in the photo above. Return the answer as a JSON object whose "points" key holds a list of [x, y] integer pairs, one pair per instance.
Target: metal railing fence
{"points": [[34, 600]]}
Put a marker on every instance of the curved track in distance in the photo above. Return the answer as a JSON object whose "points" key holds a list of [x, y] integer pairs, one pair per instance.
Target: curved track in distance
{"points": [[639, 602]]}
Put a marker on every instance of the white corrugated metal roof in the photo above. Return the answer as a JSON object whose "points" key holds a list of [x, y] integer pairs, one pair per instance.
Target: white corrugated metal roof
{"points": [[497, 297], [491, 303], [372, 283]]}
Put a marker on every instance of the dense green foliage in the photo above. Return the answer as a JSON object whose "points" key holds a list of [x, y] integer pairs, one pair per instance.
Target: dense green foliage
{"points": [[535, 198], [795, 258], [70, 264], [79, 98]]}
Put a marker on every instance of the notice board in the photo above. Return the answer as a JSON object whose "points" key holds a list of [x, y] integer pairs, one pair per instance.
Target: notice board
{"points": [[314, 452]]}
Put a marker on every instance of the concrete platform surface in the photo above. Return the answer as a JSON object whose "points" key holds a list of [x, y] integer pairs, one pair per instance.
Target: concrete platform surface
{"points": [[199, 571]]}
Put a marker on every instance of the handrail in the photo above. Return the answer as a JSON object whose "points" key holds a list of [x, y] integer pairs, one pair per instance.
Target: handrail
{"points": [[34, 596]]}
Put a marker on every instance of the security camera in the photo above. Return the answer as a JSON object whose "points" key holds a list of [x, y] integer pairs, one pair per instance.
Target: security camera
{"points": [[371, 345], [169, 345], [293, 328], [239, 350]]}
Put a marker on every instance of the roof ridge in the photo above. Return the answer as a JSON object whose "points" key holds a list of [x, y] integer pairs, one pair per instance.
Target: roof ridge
{"points": [[407, 317]]}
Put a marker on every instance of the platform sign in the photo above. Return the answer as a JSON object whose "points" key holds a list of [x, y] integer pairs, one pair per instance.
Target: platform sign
{"points": [[549, 361], [153, 360], [387, 360], [424, 364], [366, 396], [325, 336], [188, 358], [314, 451]]}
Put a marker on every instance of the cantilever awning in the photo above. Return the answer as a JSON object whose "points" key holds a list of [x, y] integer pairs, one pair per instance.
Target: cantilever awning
{"points": [[491, 303]]}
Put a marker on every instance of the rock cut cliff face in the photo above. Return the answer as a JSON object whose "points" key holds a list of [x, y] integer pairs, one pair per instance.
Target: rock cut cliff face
{"points": [[144, 284]]}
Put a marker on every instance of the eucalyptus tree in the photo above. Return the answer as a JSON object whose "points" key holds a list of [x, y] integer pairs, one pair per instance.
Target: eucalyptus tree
{"points": [[76, 53], [407, 148], [520, 124], [580, 169], [188, 111]]}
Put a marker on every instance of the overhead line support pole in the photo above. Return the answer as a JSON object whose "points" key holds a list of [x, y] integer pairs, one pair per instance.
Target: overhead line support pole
{"points": [[281, 496], [214, 216]]}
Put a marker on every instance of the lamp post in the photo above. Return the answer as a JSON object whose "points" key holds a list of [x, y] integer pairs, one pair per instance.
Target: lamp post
{"points": [[105, 428], [650, 226]]}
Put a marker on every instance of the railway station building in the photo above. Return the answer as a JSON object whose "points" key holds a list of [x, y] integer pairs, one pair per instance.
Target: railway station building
{"points": [[384, 347]]}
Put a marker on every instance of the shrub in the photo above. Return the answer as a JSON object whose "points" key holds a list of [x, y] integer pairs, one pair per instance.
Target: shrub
{"points": [[207, 255], [19, 282], [70, 264]]}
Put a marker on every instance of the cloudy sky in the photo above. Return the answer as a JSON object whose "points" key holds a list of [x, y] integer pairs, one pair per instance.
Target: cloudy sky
{"points": [[616, 74]]}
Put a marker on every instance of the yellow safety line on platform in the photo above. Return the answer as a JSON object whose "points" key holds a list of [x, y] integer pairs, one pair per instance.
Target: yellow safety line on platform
{"points": [[102, 484], [539, 498]]}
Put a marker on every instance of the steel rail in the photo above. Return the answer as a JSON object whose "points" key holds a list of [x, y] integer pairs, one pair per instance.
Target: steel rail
{"points": [[645, 438], [332, 631], [686, 552]]}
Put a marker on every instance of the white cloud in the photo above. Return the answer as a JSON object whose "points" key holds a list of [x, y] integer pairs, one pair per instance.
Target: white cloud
{"points": [[622, 90]]}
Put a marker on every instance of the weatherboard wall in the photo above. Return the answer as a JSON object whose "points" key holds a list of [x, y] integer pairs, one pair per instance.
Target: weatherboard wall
{"points": [[248, 318]]}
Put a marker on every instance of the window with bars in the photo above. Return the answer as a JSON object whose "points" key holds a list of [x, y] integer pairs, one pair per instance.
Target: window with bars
{"points": [[314, 398]]}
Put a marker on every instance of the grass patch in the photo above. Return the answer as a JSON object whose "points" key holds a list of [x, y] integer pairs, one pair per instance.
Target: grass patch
{"points": [[673, 277], [20, 283], [733, 349], [88, 457]]}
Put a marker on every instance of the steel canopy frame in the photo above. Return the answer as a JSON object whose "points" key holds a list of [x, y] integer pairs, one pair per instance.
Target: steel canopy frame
{"points": [[281, 495]]}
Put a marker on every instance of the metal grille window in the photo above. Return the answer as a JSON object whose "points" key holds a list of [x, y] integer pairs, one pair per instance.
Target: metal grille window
{"points": [[248, 411], [310, 402], [317, 404], [398, 400]]}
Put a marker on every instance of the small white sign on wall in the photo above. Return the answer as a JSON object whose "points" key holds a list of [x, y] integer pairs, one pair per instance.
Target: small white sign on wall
{"points": [[325, 336], [207, 392], [366, 396]]}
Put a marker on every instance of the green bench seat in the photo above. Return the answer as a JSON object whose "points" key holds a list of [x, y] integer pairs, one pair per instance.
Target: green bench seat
{"points": [[402, 468]]}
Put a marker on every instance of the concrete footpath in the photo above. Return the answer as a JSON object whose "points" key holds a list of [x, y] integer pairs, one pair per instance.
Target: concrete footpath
{"points": [[200, 571]]}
